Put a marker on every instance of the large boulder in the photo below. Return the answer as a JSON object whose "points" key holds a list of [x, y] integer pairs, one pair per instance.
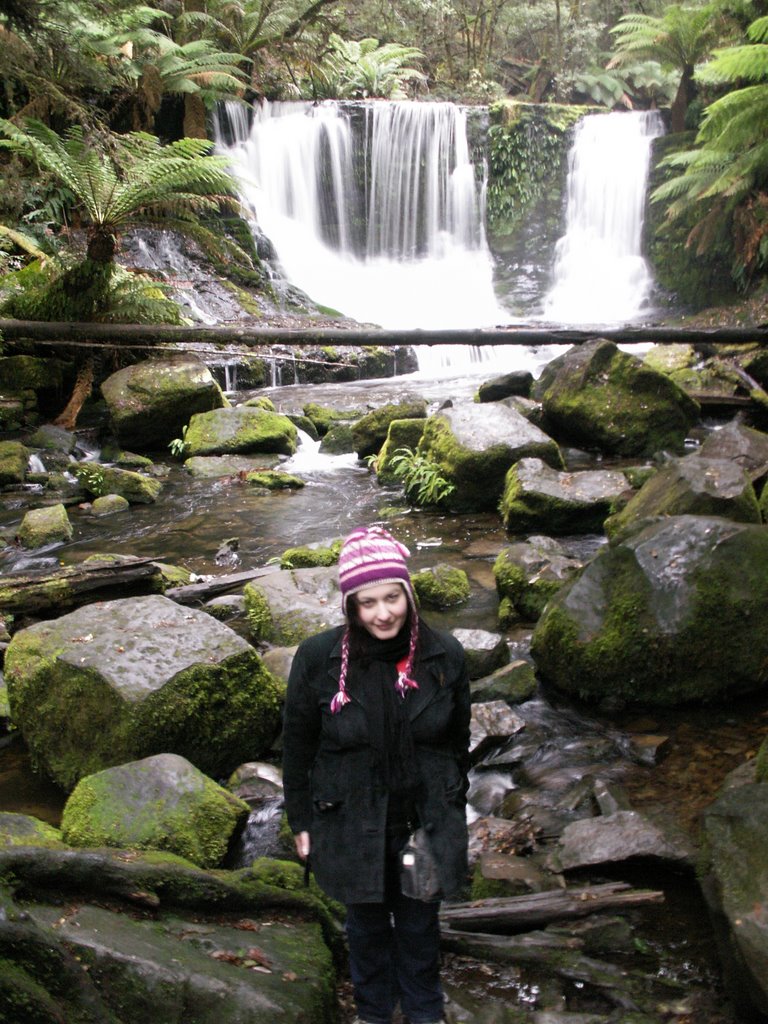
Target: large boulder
{"points": [[147, 937], [694, 485], [401, 434], [14, 458], [528, 573], [136, 488], [676, 613], [370, 432], [537, 497], [159, 803], [23, 830], [735, 883], [151, 402], [745, 446], [474, 445], [119, 680], [597, 396], [43, 526], [244, 429], [286, 607]]}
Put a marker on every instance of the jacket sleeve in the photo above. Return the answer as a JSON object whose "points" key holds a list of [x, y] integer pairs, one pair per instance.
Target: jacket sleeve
{"points": [[301, 732], [462, 715]]}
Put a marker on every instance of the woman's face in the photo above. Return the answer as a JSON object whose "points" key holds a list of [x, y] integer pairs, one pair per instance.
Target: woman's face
{"points": [[382, 609]]}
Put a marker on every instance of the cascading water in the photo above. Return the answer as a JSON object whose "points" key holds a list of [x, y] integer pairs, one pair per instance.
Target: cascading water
{"points": [[600, 275], [373, 209]]}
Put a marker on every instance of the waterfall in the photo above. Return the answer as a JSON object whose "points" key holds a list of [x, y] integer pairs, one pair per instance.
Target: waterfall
{"points": [[600, 275], [375, 209]]}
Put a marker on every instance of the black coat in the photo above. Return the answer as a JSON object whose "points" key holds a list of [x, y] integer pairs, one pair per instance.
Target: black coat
{"points": [[332, 790]]}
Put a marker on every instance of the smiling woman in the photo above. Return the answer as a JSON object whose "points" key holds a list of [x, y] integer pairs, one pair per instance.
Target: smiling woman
{"points": [[375, 743]]}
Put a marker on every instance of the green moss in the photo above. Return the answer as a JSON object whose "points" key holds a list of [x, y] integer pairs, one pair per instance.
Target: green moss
{"points": [[323, 417], [442, 586], [43, 526], [307, 557], [370, 432], [273, 480], [401, 434], [241, 429], [258, 612], [261, 402], [14, 458]]}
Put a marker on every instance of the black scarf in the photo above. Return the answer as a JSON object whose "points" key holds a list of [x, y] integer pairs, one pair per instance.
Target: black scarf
{"points": [[373, 667]]}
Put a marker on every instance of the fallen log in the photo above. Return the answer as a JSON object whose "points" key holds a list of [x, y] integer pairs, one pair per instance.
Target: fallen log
{"points": [[193, 592], [521, 913], [28, 595], [629, 989], [249, 335]]}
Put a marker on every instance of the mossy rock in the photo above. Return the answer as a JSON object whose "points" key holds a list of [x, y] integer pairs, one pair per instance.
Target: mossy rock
{"points": [[475, 445], [24, 830], [311, 557], [339, 440], [273, 480], [209, 467], [109, 504], [286, 607], [677, 613], [136, 488], [304, 423], [261, 402], [243, 429], [14, 459], [401, 434], [119, 680], [43, 526], [513, 683], [538, 498], [151, 402], [323, 417], [694, 485], [528, 574], [441, 586], [370, 432], [599, 397], [158, 803]]}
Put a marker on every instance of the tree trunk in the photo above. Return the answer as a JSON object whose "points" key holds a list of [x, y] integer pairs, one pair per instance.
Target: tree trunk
{"points": [[80, 392]]}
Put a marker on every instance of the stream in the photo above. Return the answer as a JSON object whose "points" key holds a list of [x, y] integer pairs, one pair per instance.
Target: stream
{"points": [[191, 520]]}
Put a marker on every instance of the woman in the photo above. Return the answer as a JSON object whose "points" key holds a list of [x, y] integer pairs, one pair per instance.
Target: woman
{"points": [[376, 743]]}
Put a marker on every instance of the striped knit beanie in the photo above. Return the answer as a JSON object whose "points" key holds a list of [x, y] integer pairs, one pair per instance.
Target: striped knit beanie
{"points": [[369, 557]]}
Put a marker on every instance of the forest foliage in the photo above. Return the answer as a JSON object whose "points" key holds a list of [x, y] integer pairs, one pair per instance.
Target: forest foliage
{"points": [[121, 71]]}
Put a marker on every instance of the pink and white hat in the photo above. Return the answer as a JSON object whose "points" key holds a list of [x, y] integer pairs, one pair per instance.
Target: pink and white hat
{"points": [[370, 556]]}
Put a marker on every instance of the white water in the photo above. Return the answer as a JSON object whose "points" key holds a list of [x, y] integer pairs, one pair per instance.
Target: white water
{"points": [[600, 275], [387, 229]]}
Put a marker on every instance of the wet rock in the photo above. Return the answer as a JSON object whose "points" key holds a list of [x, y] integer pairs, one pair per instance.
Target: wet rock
{"points": [[205, 467], [485, 651], [518, 382], [747, 447], [279, 660], [119, 680], [475, 445], [226, 607], [43, 526], [52, 438], [370, 432], [311, 556], [14, 459], [136, 488], [256, 782], [619, 837], [597, 396], [151, 402], [735, 884], [109, 504], [24, 830], [504, 874], [648, 749], [401, 434], [527, 574], [676, 613], [338, 441], [538, 497], [610, 797], [159, 803], [441, 586], [286, 607], [694, 485], [241, 430], [512, 683], [491, 723]]}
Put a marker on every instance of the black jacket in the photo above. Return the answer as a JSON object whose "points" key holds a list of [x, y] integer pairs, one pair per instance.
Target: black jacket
{"points": [[331, 788]]}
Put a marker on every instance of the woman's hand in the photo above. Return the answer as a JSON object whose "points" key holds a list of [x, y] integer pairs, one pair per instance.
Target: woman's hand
{"points": [[302, 844]]}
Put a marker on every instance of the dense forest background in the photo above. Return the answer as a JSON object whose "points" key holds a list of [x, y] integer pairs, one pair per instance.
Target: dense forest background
{"points": [[105, 113]]}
